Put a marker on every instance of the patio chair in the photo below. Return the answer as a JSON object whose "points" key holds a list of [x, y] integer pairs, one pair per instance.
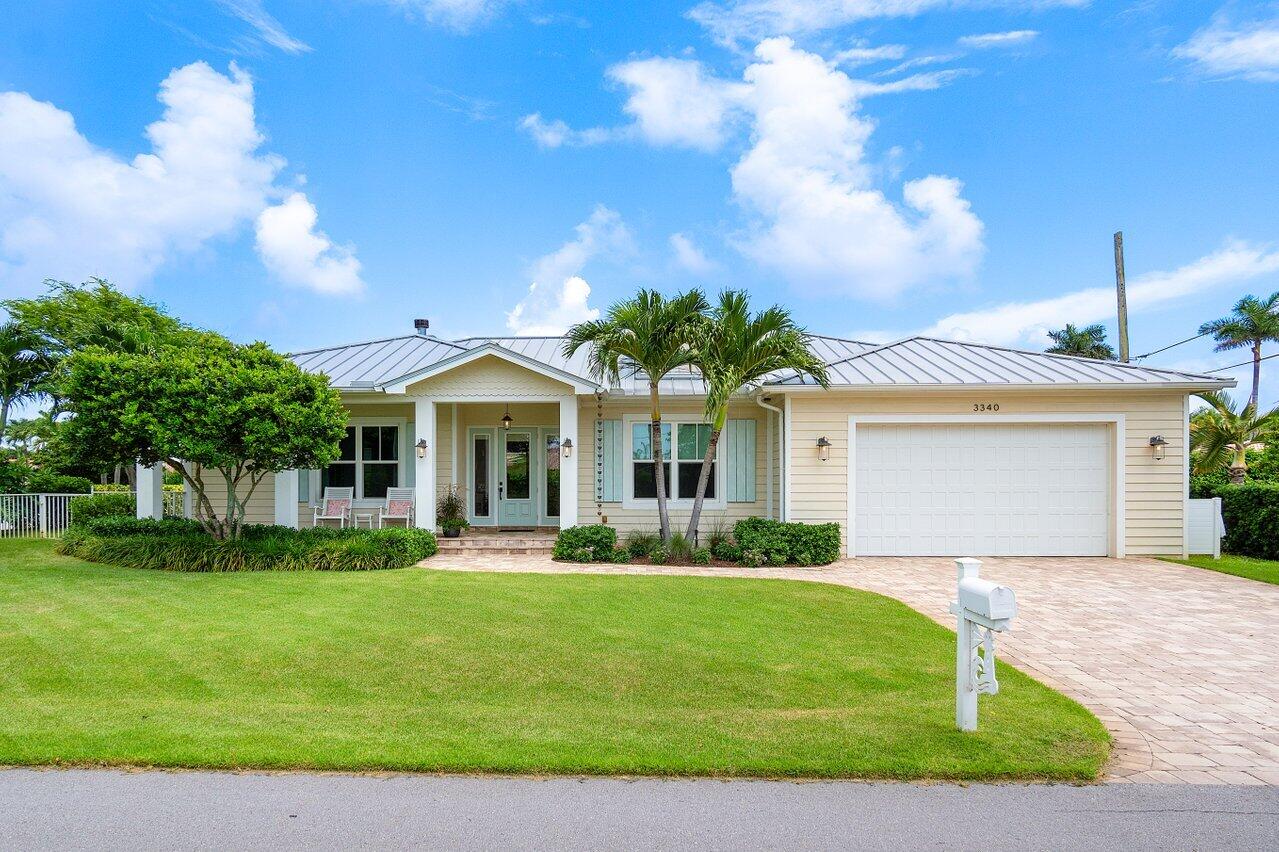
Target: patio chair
{"points": [[336, 506], [399, 506]]}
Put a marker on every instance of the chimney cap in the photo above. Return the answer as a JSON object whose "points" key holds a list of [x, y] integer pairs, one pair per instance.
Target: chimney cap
{"points": [[422, 326]]}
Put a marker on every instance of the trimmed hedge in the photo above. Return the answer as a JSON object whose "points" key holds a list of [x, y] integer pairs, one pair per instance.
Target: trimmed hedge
{"points": [[85, 509], [1251, 513], [778, 543], [43, 482], [170, 545], [586, 543]]}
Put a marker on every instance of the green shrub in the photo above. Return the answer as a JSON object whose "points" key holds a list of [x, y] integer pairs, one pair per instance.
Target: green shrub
{"points": [[702, 556], [727, 550], [679, 548], [780, 543], [641, 542], [659, 555], [621, 556], [719, 535], [599, 542], [84, 509], [1251, 513], [115, 526], [164, 545], [752, 558], [43, 482], [12, 475], [111, 488]]}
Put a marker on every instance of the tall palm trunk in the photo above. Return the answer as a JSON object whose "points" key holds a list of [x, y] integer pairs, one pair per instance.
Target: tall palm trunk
{"points": [[1256, 371], [659, 463], [4, 417], [704, 477]]}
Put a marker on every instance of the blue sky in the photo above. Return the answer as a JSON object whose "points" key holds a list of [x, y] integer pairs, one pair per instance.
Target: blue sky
{"points": [[325, 171]]}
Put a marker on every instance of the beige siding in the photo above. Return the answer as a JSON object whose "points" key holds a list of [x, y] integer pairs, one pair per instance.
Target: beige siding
{"points": [[490, 376], [1155, 498], [626, 519], [261, 506]]}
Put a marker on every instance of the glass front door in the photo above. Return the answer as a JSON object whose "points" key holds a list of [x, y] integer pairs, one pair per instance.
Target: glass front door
{"points": [[517, 484], [481, 480]]}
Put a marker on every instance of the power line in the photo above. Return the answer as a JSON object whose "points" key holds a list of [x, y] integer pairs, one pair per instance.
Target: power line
{"points": [[1244, 363], [1171, 345]]}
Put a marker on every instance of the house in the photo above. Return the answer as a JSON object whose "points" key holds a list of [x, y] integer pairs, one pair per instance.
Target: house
{"points": [[920, 447]]}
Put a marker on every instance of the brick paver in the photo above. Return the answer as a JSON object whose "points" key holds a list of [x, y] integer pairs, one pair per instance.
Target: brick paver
{"points": [[1181, 664]]}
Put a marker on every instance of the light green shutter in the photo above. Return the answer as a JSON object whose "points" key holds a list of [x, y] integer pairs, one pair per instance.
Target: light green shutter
{"points": [[740, 454], [304, 486], [608, 461]]}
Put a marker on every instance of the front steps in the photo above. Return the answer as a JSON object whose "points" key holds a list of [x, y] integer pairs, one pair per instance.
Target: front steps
{"points": [[475, 542]]}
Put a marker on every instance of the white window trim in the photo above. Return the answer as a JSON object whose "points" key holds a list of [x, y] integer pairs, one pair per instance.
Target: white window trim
{"points": [[628, 468], [402, 462]]}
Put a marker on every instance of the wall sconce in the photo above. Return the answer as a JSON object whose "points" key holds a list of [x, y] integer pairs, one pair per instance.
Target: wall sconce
{"points": [[566, 448], [421, 448], [1157, 444], [507, 419], [823, 448]]}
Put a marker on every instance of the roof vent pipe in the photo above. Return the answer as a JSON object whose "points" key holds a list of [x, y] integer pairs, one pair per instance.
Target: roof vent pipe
{"points": [[422, 326]]}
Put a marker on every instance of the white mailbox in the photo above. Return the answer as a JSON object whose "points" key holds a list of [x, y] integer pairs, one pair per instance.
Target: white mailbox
{"points": [[982, 609], [989, 600]]}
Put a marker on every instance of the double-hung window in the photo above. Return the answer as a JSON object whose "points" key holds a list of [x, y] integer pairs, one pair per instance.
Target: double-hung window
{"points": [[684, 467], [368, 461]]}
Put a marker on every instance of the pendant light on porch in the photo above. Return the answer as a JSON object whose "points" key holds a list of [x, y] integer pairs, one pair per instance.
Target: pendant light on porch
{"points": [[507, 419]]}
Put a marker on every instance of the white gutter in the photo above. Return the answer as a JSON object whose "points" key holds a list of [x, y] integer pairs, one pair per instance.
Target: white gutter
{"points": [[782, 443]]}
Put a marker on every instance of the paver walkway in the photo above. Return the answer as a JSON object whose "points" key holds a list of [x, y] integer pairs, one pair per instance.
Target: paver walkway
{"points": [[1181, 664]]}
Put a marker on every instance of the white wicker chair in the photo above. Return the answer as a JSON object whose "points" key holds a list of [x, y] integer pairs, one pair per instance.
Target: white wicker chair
{"points": [[336, 506], [399, 506]]}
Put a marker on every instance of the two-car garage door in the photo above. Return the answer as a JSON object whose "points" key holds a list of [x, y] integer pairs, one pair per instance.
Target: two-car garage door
{"points": [[1024, 489]]}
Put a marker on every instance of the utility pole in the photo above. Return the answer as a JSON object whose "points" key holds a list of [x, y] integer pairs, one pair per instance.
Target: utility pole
{"points": [[1122, 295]]}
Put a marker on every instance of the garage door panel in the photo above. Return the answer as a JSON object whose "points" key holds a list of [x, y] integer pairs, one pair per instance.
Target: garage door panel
{"points": [[1000, 490]]}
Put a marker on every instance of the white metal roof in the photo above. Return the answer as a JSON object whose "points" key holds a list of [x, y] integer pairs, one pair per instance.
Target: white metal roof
{"points": [[913, 362]]}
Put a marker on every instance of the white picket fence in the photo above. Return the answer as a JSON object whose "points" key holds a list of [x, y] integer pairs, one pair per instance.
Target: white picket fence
{"points": [[35, 515]]}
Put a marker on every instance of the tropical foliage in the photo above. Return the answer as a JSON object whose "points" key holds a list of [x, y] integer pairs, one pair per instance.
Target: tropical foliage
{"points": [[240, 412], [1222, 434], [1253, 323], [647, 336], [1087, 342], [735, 349], [25, 364]]}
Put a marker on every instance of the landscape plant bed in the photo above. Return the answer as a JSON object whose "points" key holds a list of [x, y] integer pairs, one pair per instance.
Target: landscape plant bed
{"points": [[507, 673], [176, 544]]}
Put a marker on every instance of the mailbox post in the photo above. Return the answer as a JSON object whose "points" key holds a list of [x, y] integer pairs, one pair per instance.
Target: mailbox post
{"points": [[982, 609]]}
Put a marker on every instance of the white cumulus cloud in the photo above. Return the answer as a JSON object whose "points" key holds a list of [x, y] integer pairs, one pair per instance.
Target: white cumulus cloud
{"points": [[559, 296], [676, 102], [689, 256], [69, 209], [1249, 51], [299, 254], [1028, 323], [556, 133]]}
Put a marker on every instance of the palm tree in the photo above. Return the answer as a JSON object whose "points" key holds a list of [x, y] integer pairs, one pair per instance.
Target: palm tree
{"points": [[647, 335], [735, 349], [1253, 322], [1220, 435], [24, 368], [1088, 342]]}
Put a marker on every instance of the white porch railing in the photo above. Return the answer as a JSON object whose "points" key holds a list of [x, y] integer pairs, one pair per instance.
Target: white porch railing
{"points": [[35, 515]]}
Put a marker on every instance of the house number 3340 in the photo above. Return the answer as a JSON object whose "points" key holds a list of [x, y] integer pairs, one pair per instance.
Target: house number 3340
{"points": [[985, 406]]}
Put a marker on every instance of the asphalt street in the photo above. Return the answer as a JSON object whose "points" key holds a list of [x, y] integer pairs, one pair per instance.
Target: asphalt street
{"points": [[105, 809]]}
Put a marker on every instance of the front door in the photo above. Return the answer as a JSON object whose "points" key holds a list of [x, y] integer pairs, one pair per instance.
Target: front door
{"points": [[517, 480]]}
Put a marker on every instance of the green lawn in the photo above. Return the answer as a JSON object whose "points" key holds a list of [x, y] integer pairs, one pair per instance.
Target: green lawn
{"points": [[1264, 570], [519, 673]]}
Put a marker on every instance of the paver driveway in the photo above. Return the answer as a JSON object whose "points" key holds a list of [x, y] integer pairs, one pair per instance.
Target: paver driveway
{"points": [[1181, 664]]}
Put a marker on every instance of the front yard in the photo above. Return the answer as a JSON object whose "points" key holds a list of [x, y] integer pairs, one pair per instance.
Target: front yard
{"points": [[439, 671], [1262, 570]]}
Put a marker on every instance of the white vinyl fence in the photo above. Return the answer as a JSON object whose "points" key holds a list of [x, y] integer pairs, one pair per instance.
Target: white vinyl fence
{"points": [[1204, 526], [35, 515]]}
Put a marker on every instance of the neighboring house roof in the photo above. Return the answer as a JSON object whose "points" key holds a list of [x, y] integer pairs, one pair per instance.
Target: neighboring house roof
{"points": [[913, 362]]}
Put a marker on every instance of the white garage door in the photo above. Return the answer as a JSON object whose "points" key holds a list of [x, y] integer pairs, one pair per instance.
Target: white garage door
{"points": [[998, 490]]}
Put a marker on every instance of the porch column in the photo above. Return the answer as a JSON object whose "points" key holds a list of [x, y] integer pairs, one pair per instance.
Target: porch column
{"points": [[569, 466], [286, 498], [424, 502], [150, 490]]}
